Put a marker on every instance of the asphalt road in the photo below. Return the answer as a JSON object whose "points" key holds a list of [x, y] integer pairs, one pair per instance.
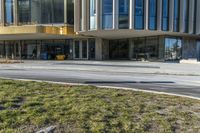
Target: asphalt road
{"points": [[171, 83]]}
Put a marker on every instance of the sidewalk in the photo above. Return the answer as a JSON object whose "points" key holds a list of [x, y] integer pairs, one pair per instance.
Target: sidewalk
{"points": [[111, 66]]}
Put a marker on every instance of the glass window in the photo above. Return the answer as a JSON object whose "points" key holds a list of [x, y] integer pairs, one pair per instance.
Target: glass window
{"points": [[123, 14], [24, 11], [186, 14], [41, 11], [70, 12], [107, 14], [165, 15], [173, 49], [139, 14], [0, 13], [176, 15], [92, 14], [9, 17], [152, 14]]}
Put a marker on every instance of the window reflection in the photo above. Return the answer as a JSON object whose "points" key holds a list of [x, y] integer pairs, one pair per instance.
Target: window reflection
{"points": [[107, 14], [165, 15], [176, 15], [9, 18], [152, 14], [139, 14], [123, 14], [173, 49], [41, 11], [186, 14], [92, 14]]}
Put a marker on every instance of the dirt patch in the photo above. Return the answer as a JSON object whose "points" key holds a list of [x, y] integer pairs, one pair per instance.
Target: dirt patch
{"points": [[10, 61]]}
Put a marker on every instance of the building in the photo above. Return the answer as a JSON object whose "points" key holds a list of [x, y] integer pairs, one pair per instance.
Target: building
{"points": [[37, 29], [154, 30], [162, 30]]}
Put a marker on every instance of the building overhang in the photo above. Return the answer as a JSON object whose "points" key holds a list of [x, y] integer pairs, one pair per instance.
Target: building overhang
{"points": [[130, 33], [34, 32]]}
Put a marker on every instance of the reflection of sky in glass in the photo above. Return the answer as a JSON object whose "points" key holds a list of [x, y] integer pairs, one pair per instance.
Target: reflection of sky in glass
{"points": [[107, 14], [9, 11], [139, 14]]}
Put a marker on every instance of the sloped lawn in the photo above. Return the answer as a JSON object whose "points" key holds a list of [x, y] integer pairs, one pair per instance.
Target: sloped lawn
{"points": [[31, 106]]}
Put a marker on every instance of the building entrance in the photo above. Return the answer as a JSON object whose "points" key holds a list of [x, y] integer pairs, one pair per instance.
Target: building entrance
{"points": [[119, 49], [80, 49]]}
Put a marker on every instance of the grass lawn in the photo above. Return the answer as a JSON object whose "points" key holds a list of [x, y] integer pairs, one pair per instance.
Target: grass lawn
{"points": [[31, 106]]}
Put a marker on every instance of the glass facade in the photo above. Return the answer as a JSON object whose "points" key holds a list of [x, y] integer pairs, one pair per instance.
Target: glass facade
{"points": [[123, 14], [173, 49], [107, 14], [41, 11], [0, 12], [176, 15], [165, 15], [186, 15], [9, 13], [139, 14], [92, 14], [152, 14], [195, 16], [70, 12]]}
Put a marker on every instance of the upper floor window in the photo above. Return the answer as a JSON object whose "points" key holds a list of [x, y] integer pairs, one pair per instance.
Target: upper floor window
{"points": [[107, 14], [123, 14], [41, 11], [186, 15], [176, 15], [9, 13], [139, 14], [165, 15], [92, 14], [152, 14]]}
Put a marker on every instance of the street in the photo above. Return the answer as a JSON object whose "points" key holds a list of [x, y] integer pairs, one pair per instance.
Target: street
{"points": [[183, 79]]}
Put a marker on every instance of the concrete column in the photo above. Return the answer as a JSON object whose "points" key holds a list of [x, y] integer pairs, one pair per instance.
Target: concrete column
{"points": [[38, 49], [15, 12], [198, 18], [84, 14], [131, 45], [87, 15], [115, 14], [191, 16], [146, 14], [65, 11], [171, 14], [98, 49], [159, 15], [3, 12], [77, 15], [131, 16], [98, 12]]}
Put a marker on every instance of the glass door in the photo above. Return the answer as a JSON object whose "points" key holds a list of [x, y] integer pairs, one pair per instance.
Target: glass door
{"points": [[81, 49], [77, 49]]}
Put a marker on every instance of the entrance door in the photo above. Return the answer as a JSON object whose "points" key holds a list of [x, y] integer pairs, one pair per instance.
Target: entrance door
{"points": [[80, 49]]}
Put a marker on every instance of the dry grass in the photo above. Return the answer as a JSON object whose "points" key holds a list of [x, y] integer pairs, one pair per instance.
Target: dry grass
{"points": [[30, 106]]}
